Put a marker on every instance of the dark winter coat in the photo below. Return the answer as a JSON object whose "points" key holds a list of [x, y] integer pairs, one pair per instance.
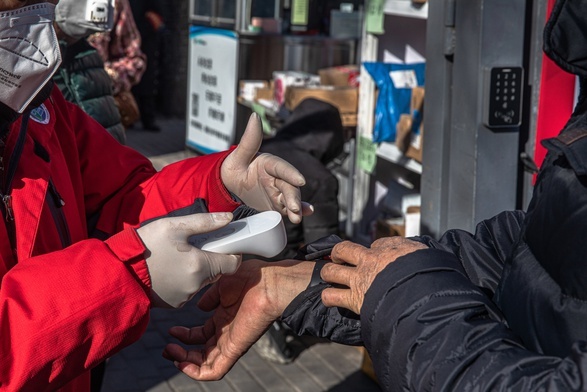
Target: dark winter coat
{"points": [[476, 311], [83, 80]]}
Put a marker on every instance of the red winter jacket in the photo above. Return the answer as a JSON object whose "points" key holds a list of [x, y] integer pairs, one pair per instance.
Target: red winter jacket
{"points": [[67, 302]]}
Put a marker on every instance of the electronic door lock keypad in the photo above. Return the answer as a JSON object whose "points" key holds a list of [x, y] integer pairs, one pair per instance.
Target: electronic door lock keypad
{"points": [[503, 87]]}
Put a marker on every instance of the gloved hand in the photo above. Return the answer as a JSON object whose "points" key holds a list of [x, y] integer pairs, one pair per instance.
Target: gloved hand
{"points": [[264, 181], [177, 269]]}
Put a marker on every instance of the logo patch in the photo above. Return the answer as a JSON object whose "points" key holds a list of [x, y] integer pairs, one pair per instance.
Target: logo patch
{"points": [[40, 114]]}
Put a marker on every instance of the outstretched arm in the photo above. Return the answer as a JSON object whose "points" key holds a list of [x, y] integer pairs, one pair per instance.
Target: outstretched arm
{"points": [[245, 304]]}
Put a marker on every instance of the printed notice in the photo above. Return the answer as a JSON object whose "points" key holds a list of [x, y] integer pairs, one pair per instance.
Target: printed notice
{"points": [[212, 95], [299, 12]]}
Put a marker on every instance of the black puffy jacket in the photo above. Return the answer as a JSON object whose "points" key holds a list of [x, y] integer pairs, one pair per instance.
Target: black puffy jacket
{"points": [[473, 312], [83, 80]]}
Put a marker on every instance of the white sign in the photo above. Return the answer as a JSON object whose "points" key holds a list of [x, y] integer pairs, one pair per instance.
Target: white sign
{"points": [[404, 78], [211, 111]]}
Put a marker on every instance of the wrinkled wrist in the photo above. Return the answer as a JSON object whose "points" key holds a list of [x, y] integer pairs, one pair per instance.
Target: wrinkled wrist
{"points": [[285, 280]]}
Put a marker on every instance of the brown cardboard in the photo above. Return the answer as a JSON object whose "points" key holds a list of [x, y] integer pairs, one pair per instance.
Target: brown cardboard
{"points": [[403, 133], [415, 148], [389, 228], [341, 76], [247, 88], [367, 365], [406, 141], [344, 98], [349, 119], [264, 93]]}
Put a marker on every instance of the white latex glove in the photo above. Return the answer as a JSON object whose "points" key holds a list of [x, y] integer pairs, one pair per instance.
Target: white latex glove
{"points": [[177, 269], [263, 181]]}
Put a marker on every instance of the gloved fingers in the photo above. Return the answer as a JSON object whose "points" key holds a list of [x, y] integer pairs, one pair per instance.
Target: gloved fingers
{"points": [[189, 225], [249, 144], [283, 170], [335, 273], [338, 297], [289, 201], [347, 252], [219, 263], [307, 209]]}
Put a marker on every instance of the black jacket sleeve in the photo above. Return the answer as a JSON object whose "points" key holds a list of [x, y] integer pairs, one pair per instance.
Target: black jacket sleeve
{"points": [[427, 327], [483, 254], [307, 315]]}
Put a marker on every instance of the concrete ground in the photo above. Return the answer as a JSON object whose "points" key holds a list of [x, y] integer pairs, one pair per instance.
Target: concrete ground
{"points": [[319, 365]]}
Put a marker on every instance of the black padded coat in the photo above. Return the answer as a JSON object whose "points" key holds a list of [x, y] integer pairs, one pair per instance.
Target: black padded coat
{"points": [[83, 80]]}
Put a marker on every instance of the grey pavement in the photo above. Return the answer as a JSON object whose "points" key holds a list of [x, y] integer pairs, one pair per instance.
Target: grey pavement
{"points": [[318, 366]]}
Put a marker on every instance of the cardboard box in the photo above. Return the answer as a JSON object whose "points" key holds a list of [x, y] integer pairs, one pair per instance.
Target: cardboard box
{"points": [[341, 76], [406, 140], [389, 228], [367, 365], [349, 119], [248, 88], [344, 98], [266, 93], [284, 80]]}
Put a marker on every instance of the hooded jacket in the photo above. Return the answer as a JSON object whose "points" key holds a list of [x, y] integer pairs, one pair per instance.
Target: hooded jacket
{"points": [[69, 299]]}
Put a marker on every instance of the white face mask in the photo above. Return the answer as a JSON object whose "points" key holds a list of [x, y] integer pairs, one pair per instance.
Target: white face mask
{"points": [[29, 53], [80, 18]]}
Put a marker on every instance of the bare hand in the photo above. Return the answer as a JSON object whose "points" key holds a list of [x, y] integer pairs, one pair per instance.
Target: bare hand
{"points": [[245, 304], [355, 267], [264, 181]]}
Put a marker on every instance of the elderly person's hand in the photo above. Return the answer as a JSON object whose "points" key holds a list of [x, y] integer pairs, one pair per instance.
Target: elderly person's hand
{"points": [[355, 267], [245, 304], [263, 181]]}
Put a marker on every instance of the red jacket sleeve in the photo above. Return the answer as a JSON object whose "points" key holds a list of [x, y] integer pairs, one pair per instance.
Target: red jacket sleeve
{"points": [[122, 187], [63, 312]]}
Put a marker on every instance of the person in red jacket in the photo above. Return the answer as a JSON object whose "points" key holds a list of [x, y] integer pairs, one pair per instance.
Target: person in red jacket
{"points": [[92, 236]]}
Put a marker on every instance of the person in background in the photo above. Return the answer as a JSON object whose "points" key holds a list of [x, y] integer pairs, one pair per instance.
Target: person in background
{"points": [[92, 235], [81, 76], [503, 308], [124, 61], [150, 23]]}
